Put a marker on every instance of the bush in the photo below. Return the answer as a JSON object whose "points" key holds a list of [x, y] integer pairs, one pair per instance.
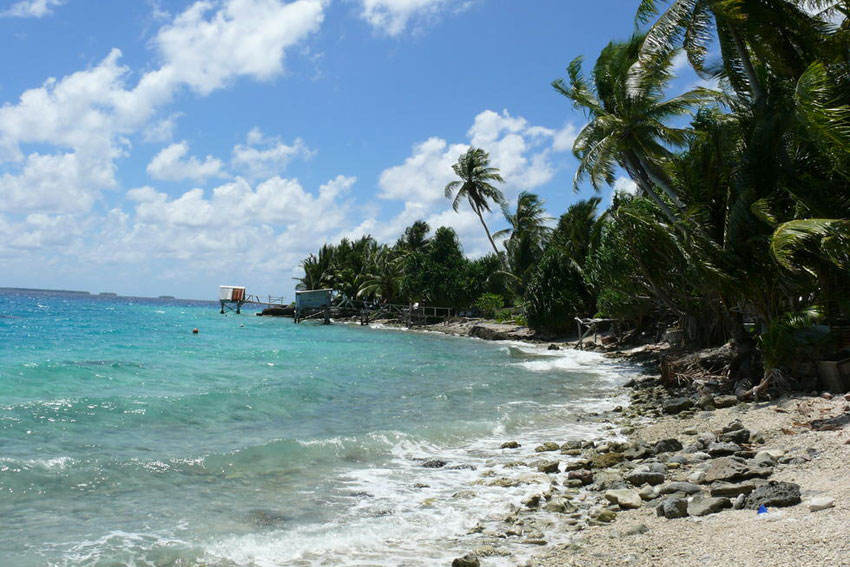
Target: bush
{"points": [[488, 303]]}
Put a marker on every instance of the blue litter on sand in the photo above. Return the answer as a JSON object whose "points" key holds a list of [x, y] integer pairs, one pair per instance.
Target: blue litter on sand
{"points": [[762, 509]]}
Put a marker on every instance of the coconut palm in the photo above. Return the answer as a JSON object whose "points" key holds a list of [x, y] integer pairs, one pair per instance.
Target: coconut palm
{"points": [[475, 186], [628, 124], [527, 233]]}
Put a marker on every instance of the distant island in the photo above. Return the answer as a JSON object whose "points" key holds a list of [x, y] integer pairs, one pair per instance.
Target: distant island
{"points": [[27, 289], [108, 293], [166, 297]]}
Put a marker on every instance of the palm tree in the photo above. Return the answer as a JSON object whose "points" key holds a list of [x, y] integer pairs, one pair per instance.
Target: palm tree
{"points": [[474, 184], [628, 121], [527, 234]]}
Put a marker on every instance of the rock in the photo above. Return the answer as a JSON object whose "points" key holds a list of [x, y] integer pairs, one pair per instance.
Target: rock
{"points": [[639, 477], [648, 492], [672, 508], [560, 506], [635, 530], [818, 504], [434, 464], [697, 477], [548, 446], [737, 436], [553, 346], [624, 498], [732, 426], [676, 405], [732, 469], [690, 431], [606, 460], [491, 551], [638, 450], [826, 396], [731, 490], [738, 503], [667, 446], [721, 402], [706, 402], [510, 445], [723, 449], [461, 468], [584, 476], [605, 516], [705, 505], [847, 397], [606, 480], [578, 464], [685, 487], [549, 467], [764, 459], [774, 494], [569, 445], [533, 502], [467, 560]]}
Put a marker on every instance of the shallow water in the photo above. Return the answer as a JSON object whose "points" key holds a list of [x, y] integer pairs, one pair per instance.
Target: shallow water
{"points": [[127, 440]]}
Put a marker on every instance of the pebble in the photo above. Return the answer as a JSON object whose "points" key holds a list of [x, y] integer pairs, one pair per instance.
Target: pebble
{"points": [[822, 503], [624, 498]]}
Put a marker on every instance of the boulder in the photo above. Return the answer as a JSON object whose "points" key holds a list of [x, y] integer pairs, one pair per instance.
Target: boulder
{"points": [[548, 446], [774, 494], [510, 445], [676, 405], [731, 490], [606, 460], [584, 476], [667, 446], [639, 477], [723, 449], [638, 450], [434, 464], [685, 487], [578, 464], [705, 505], [721, 402], [737, 436], [549, 467], [467, 560], [624, 498], [672, 508], [732, 469]]}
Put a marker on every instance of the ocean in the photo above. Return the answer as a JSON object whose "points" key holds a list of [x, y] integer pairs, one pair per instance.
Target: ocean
{"points": [[127, 440]]}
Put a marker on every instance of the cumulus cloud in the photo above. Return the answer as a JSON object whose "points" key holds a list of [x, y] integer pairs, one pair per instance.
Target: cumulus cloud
{"points": [[263, 156], [625, 185], [88, 117], [31, 8], [392, 17], [171, 164], [521, 151]]}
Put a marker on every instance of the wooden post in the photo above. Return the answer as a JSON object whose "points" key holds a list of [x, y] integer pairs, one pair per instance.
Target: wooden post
{"points": [[327, 315]]}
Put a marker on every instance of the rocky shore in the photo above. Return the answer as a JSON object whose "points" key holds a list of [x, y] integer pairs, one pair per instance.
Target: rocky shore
{"points": [[707, 481]]}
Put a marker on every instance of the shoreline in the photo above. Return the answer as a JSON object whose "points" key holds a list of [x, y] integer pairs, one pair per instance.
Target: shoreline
{"points": [[798, 442]]}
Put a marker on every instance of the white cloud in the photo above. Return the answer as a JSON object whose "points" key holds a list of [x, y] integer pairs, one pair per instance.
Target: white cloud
{"points": [[171, 164], [625, 185], [680, 61], [31, 8], [91, 114], [392, 17], [262, 156], [564, 138], [424, 175], [205, 49]]}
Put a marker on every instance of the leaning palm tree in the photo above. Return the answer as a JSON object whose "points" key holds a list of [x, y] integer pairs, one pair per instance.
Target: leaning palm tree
{"points": [[629, 121], [474, 184], [527, 233]]}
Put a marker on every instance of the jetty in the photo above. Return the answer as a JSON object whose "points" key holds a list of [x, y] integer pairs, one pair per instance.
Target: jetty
{"points": [[233, 297]]}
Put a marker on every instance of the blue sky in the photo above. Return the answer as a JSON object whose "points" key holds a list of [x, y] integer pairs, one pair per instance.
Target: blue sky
{"points": [[168, 147]]}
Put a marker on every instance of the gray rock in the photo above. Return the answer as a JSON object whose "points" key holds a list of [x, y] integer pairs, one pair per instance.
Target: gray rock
{"points": [[510, 445], [578, 464], [548, 446], [606, 480], [723, 449], [549, 467], [639, 478], [434, 464], [706, 402], [822, 503], [705, 505], [732, 469], [584, 476], [732, 426], [533, 502], [638, 450], [737, 436], [668, 446], [738, 503], [648, 492], [731, 490], [560, 506], [467, 560], [721, 402], [635, 530], [774, 493], [685, 487], [672, 508], [676, 405], [574, 444], [624, 498]]}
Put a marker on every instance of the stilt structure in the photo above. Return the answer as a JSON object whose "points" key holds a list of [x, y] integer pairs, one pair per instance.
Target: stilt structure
{"points": [[311, 304], [231, 297]]}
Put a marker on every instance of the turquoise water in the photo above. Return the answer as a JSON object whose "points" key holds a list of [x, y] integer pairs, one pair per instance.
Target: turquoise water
{"points": [[127, 440]]}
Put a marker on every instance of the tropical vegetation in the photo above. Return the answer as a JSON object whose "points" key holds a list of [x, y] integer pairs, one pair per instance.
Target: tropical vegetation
{"points": [[739, 226]]}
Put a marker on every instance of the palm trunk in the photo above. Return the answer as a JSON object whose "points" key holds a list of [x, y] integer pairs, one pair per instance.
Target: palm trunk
{"points": [[640, 177], [747, 63], [490, 238], [663, 184]]}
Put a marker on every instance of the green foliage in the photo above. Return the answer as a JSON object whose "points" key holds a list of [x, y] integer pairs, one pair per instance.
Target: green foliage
{"points": [[488, 303], [555, 294]]}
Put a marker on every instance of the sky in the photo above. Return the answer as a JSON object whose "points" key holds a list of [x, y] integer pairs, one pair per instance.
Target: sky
{"points": [[167, 147]]}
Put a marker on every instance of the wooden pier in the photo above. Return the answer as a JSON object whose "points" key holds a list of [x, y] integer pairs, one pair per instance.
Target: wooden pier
{"points": [[411, 315], [233, 297]]}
